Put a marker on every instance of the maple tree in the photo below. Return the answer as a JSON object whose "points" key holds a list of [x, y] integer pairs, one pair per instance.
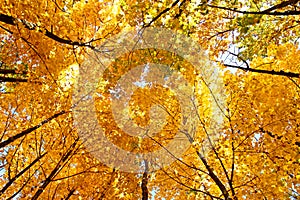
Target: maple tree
{"points": [[255, 45]]}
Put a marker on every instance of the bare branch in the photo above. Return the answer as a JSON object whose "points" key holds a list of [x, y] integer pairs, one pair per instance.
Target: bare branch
{"points": [[163, 12], [30, 26], [263, 71], [29, 130], [265, 12]]}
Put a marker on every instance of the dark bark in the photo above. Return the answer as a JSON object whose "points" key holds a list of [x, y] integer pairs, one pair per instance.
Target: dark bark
{"points": [[11, 181], [12, 80], [282, 5], [214, 177], [163, 12], [29, 130], [276, 136], [145, 192], [70, 194], [211, 173], [56, 169], [19, 191], [265, 12], [263, 71], [30, 26], [11, 72]]}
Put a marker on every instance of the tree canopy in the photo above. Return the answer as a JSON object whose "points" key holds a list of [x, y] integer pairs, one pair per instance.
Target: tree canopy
{"points": [[255, 46]]}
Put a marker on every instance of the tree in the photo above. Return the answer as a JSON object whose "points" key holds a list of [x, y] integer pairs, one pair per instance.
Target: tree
{"points": [[255, 44]]}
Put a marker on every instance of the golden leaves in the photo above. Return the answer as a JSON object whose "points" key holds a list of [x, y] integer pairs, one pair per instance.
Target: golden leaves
{"points": [[260, 139]]}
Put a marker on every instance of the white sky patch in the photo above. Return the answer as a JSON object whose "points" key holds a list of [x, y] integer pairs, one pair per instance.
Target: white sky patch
{"points": [[230, 59], [256, 138], [142, 82]]}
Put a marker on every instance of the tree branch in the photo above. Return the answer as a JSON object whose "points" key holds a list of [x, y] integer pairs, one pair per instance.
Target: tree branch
{"points": [[276, 136], [263, 71], [31, 26], [265, 12], [163, 12], [145, 192], [11, 181], [12, 71], [29, 130], [211, 173], [12, 80], [56, 169], [71, 192], [282, 5]]}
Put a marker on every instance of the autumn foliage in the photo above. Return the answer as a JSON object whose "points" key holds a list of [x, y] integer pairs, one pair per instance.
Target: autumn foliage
{"points": [[255, 46]]}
